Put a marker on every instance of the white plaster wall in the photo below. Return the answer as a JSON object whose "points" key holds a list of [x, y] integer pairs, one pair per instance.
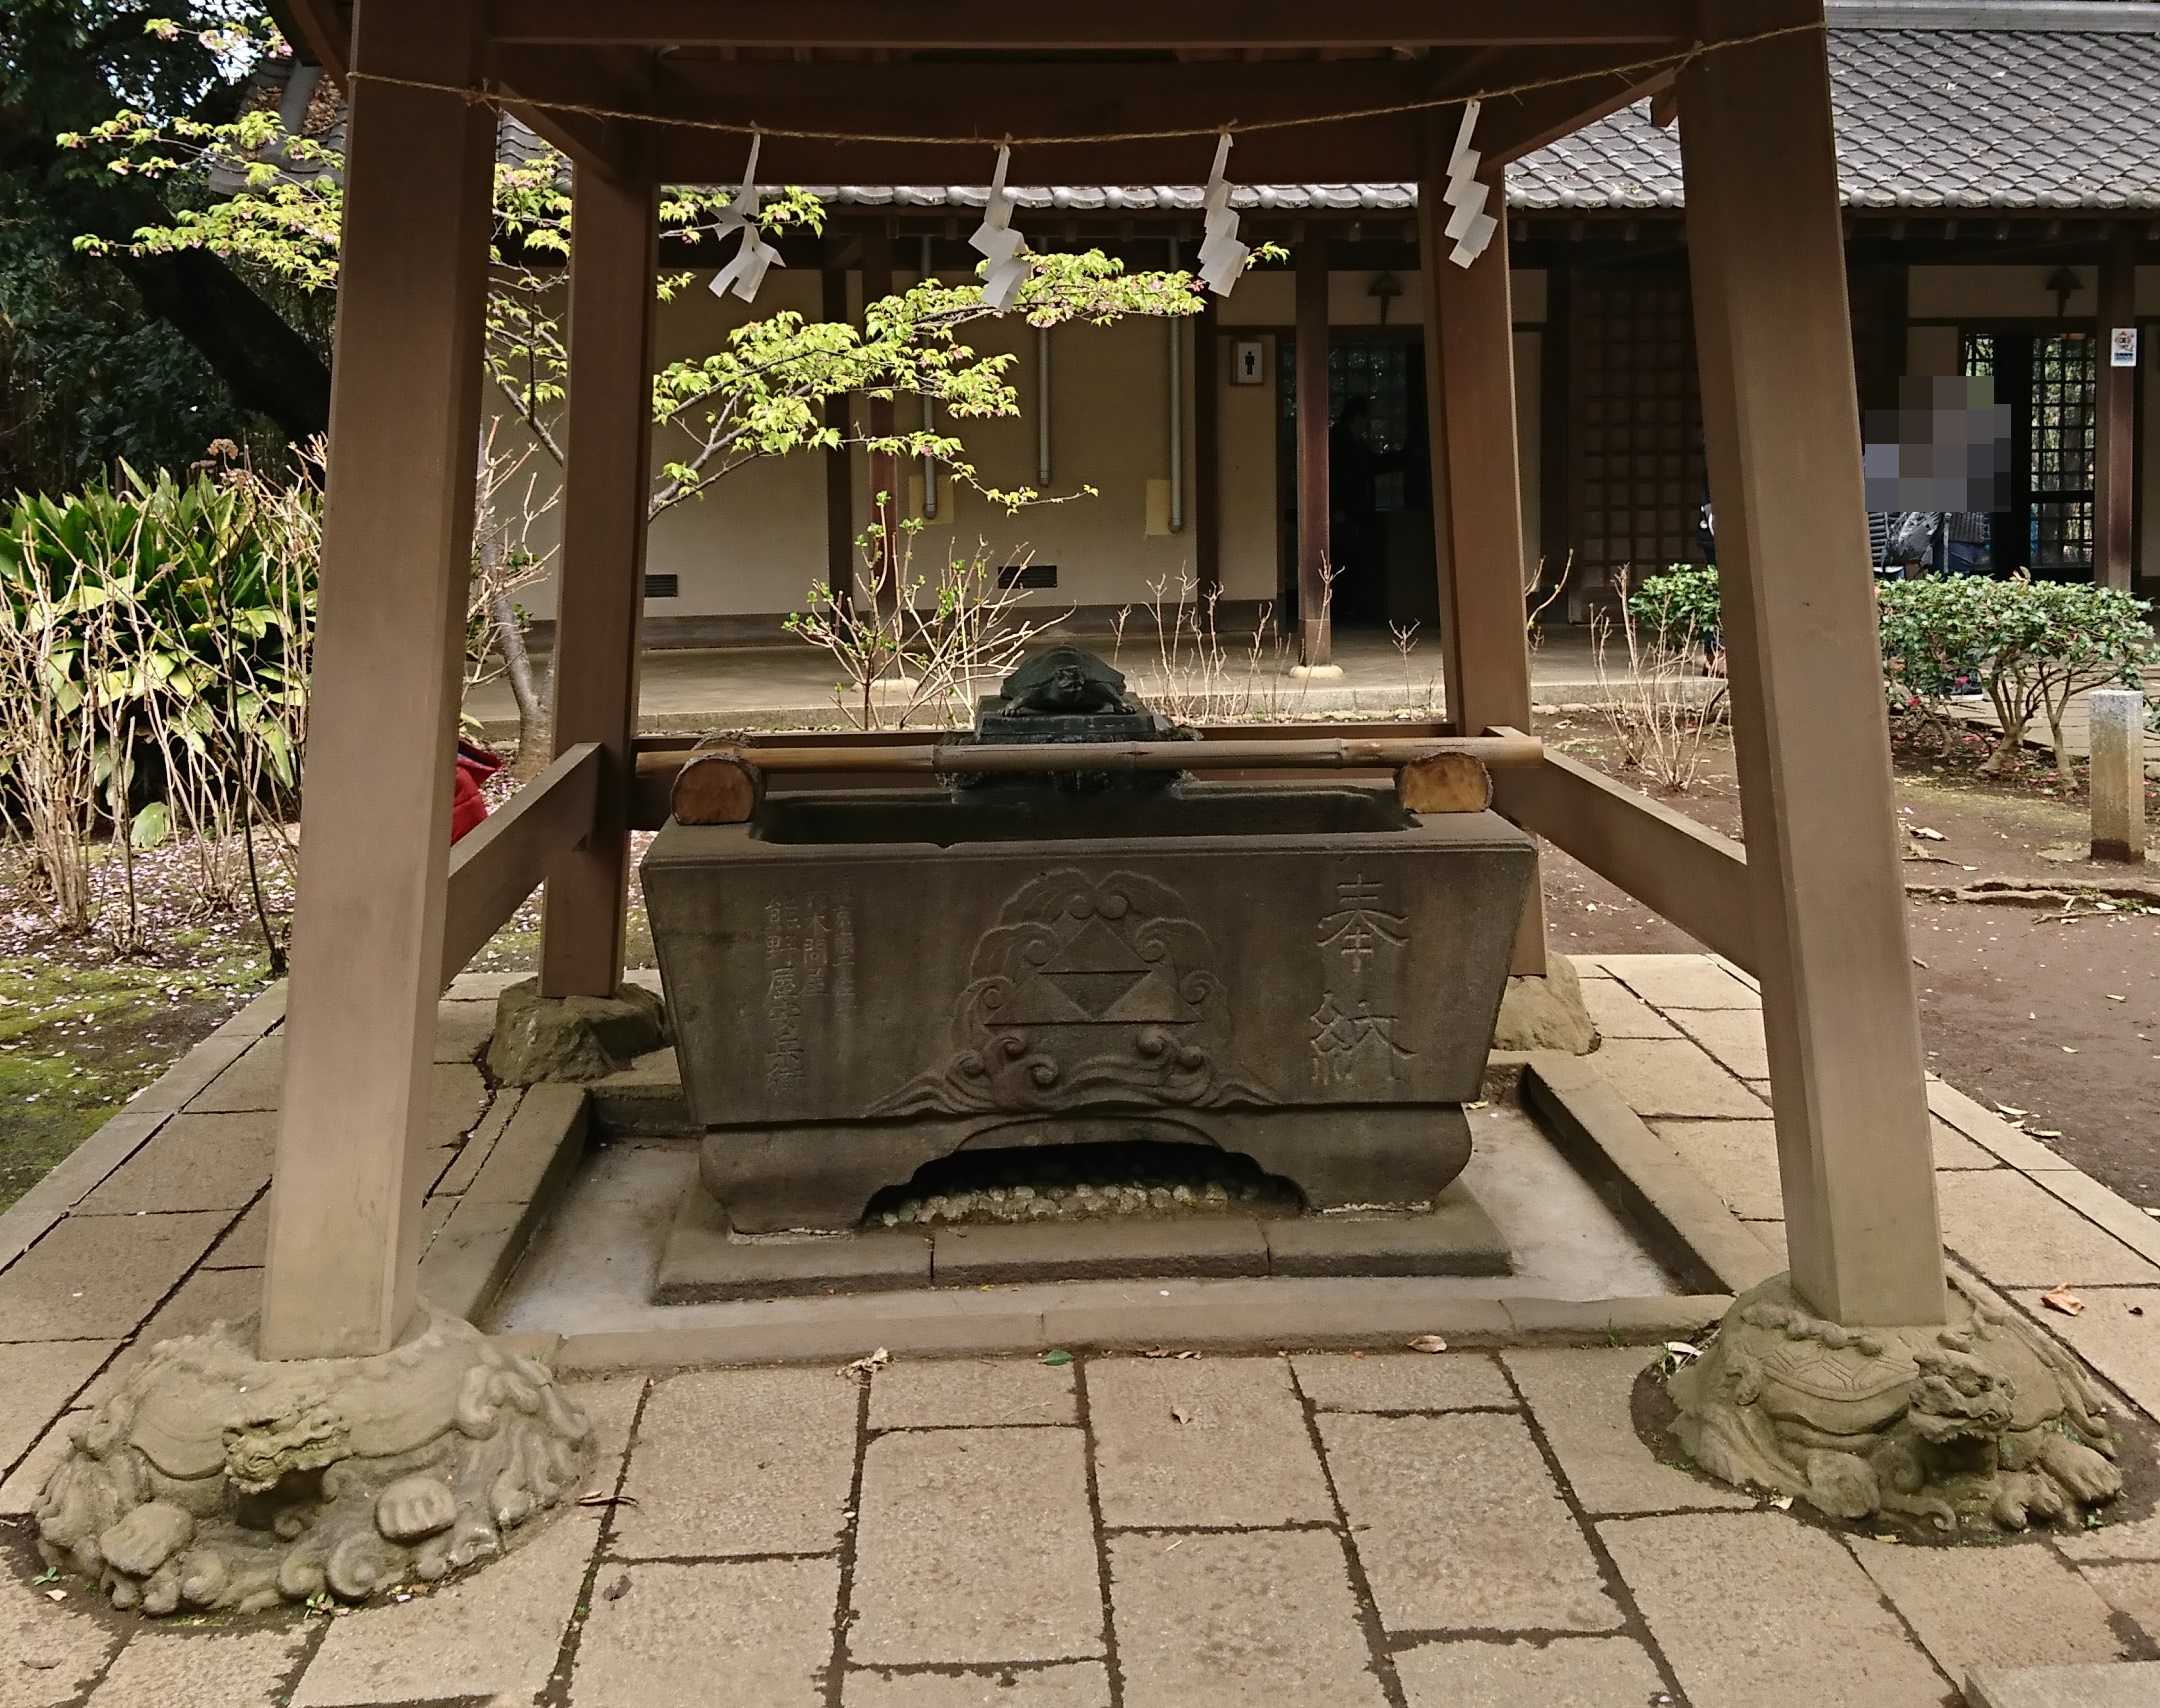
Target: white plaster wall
{"points": [[2013, 293], [756, 542]]}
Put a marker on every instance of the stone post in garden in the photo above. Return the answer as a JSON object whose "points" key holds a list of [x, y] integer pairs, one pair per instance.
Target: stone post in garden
{"points": [[2118, 773]]}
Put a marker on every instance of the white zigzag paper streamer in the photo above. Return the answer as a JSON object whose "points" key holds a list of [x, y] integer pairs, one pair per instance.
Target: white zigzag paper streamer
{"points": [[1006, 249], [1467, 223], [746, 272], [1222, 256]]}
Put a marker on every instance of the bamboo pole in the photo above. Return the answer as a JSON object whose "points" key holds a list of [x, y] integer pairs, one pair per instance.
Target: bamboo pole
{"points": [[1328, 754]]}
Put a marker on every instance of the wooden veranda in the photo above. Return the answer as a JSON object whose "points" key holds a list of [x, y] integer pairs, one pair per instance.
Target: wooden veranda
{"points": [[645, 92]]}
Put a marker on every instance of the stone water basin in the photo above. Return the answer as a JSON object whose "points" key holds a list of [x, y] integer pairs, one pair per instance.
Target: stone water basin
{"points": [[863, 983]]}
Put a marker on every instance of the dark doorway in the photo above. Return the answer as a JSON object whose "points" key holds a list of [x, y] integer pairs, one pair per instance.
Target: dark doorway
{"points": [[1380, 483]]}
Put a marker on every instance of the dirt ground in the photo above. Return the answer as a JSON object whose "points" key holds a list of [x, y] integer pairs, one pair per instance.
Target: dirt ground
{"points": [[2055, 1018]]}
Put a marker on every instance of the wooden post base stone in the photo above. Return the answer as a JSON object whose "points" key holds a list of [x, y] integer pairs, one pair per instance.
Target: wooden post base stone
{"points": [[1978, 1424], [215, 1481]]}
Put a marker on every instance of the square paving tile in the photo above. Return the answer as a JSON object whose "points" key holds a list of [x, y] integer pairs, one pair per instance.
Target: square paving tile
{"points": [[1680, 981], [164, 1668], [1567, 1672], [1202, 1441], [1758, 1610], [2132, 1590], [973, 1393], [1620, 1013], [196, 1162], [49, 1653], [1672, 1077], [1401, 1381], [2123, 1348], [2018, 1235], [1954, 1150], [205, 1297], [1737, 1159], [1232, 1621], [696, 1636], [1733, 1035], [495, 1633], [975, 1545], [37, 1380], [2014, 1605], [98, 1277], [741, 1462], [19, 1492], [1460, 1526], [246, 1244], [1580, 1397], [1063, 1684]]}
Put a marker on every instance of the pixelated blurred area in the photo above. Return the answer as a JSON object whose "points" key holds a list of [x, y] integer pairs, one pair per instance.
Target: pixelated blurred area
{"points": [[1945, 448]]}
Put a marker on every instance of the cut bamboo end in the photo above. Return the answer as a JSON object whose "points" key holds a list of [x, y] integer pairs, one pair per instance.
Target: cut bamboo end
{"points": [[717, 788], [1447, 782]]}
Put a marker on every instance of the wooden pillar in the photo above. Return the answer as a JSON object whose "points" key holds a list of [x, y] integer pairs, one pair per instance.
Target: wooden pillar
{"points": [[1207, 457], [877, 281], [390, 641], [1477, 486], [600, 606], [2115, 423], [839, 463], [1781, 422]]}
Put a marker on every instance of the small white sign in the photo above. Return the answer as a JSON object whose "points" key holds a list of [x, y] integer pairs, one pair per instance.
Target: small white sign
{"points": [[1248, 362], [2122, 347]]}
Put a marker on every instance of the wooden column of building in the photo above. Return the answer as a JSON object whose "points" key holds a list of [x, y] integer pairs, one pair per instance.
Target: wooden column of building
{"points": [[1315, 637], [600, 599], [1781, 421], [390, 640], [839, 463], [1477, 487], [1207, 457], [877, 281], [2115, 419]]}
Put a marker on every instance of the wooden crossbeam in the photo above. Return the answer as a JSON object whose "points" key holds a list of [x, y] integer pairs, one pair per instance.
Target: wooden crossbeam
{"points": [[498, 865], [1109, 24]]}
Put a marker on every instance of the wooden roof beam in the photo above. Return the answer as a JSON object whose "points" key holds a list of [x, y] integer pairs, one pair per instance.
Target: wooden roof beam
{"points": [[1131, 24]]}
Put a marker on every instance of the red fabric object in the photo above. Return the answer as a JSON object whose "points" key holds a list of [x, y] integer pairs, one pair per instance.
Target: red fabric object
{"points": [[468, 807]]}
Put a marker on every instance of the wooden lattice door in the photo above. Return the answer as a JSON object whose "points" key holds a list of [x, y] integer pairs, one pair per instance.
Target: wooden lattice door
{"points": [[1636, 481]]}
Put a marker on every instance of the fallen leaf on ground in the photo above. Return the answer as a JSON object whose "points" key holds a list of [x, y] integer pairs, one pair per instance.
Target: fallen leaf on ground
{"points": [[1158, 1352], [1922, 830], [2045, 1132], [867, 1364], [2112, 997], [2069, 1049], [618, 1589], [56, 1595], [2060, 1298], [1178, 1416], [1783, 1503], [1057, 1357], [2014, 1114], [1681, 1349], [1428, 1343], [1918, 962], [606, 1500]]}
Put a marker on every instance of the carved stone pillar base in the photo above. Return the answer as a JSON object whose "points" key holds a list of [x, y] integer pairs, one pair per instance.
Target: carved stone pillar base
{"points": [[1546, 1013], [1981, 1421], [214, 1480], [572, 1037]]}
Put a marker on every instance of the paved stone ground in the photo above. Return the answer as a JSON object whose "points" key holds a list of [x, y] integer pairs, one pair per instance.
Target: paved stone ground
{"points": [[1477, 1528]]}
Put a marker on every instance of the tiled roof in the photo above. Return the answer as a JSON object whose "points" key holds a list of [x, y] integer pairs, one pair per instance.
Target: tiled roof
{"points": [[1927, 118]]}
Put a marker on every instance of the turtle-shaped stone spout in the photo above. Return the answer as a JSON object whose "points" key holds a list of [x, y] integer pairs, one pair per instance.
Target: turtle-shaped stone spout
{"points": [[1981, 1420], [1065, 681]]}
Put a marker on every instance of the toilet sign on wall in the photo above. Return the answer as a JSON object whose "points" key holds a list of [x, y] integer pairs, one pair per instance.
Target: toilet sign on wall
{"points": [[1248, 362], [2122, 347]]}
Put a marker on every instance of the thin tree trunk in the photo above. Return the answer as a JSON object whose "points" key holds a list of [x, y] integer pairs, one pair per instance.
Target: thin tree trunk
{"points": [[517, 665]]}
